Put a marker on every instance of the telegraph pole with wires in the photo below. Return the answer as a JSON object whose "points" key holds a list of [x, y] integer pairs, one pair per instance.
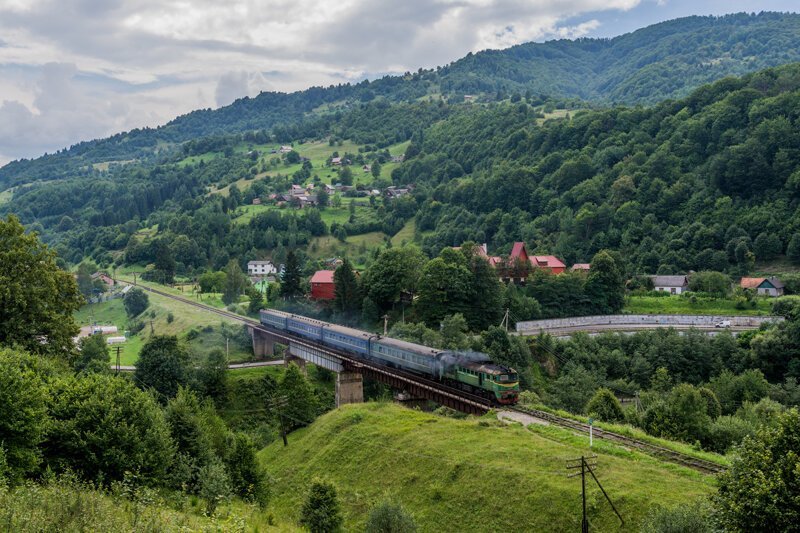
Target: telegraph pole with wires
{"points": [[118, 349], [278, 404], [385, 324], [504, 322], [586, 466]]}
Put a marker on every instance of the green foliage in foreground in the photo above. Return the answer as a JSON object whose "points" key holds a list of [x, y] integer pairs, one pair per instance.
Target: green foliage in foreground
{"points": [[67, 506], [760, 490], [37, 298], [439, 467]]}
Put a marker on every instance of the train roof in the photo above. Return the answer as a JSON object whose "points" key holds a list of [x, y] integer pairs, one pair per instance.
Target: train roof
{"points": [[307, 320], [276, 312], [410, 346], [348, 331], [488, 367]]}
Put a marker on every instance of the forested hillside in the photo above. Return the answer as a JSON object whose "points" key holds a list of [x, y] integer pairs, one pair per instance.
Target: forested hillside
{"points": [[665, 60], [709, 182]]}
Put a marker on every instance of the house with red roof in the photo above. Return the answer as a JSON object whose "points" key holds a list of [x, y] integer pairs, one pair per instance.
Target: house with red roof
{"points": [[763, 286], [550, 263], [580, 267], [322, 286]]}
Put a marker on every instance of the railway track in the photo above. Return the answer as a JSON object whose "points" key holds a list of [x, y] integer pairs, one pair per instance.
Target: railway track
{"points": [[707, 467]]}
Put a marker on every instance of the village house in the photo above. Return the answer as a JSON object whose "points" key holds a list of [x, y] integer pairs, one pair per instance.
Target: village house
{"points": [[307, 200], [670, 284], [285, 149], [105, 278], [297, 190], [322, 286], [260, 268], [397, 158], [550, 263], [580, 267], [256, 201], [367, 168], [395, 192], [763, 286]]}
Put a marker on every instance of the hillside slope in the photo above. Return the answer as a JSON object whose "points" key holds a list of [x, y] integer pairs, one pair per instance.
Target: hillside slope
{"points": [[666, 60], [467, 475]]}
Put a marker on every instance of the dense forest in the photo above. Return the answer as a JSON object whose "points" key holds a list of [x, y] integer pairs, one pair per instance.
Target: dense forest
{"points": [[666, 60]]}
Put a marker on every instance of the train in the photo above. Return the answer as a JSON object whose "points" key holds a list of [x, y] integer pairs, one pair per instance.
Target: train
{"points": [[473, 372]]}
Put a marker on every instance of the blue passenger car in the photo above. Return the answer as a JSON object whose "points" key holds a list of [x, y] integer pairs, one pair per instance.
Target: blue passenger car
{"points": [[275, 319], [305, 327], [408, 355], [348, 339]]}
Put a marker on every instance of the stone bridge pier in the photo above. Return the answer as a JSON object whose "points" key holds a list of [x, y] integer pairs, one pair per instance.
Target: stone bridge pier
{"points": [[349, 382], [349, 387], [263, 342]]}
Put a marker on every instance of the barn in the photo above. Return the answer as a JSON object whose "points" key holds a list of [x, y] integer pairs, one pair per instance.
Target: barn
{"points": [[322, 286]]}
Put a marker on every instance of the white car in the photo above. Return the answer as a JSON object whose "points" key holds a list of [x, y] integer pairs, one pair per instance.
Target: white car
{"points": [[723, 324]]}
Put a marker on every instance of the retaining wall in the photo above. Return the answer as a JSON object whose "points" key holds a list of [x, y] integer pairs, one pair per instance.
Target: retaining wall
{"points": [[644, 320]]}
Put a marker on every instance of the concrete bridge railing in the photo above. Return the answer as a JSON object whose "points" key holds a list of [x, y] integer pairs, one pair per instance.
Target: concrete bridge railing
{"points": [[701, 321]]}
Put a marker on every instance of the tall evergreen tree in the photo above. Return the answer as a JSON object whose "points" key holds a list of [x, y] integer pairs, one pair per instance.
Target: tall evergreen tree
{"points": [[290, 284], [346, 293]]}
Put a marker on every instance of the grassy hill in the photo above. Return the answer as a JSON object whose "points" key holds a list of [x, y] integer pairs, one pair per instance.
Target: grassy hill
{"points": [[468, 475]]}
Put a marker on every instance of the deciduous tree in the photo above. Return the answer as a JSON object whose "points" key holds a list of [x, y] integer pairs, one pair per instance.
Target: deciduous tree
{"points": [[163, 365], [37, 299], [759, 490]]}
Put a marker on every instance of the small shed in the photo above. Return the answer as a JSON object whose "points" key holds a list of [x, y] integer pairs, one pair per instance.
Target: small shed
{"points": [[322, 286]]}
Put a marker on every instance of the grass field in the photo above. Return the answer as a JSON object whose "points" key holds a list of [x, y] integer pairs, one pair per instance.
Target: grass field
{"points": [[406, 234], [677, 305], [329, 246], [468, 475], [6, 195], [318, 154], [184, 318]]}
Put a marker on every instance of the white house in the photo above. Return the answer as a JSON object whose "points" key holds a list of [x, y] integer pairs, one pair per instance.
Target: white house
{"points": [[260, 268], [670, 284]]}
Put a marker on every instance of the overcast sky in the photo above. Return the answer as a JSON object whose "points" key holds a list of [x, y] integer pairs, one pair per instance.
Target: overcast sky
{"points": [[73, 70]]}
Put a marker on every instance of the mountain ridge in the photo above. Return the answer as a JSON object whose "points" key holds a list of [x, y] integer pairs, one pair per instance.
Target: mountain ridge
{"points": [[665, 60]]}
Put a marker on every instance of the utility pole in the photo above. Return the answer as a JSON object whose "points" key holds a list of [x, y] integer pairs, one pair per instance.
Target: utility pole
{"points": [[278, 404], [586, 466], [385, 324], [117, 349], [504, 322]]}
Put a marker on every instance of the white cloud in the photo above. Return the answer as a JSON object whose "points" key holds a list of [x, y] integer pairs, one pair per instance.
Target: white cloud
{"points": [[75, 70]]}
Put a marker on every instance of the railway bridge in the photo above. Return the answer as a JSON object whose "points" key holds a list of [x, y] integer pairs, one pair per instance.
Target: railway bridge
{"points": [[351, 371]]}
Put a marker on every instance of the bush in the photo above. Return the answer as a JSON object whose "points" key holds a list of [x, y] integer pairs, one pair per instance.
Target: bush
{"points": [[727, 431], [170, 318], [759, 490], [135, 302], [696, 518], [133, 435], [390, 518], [320, 512], [605, 406]]}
